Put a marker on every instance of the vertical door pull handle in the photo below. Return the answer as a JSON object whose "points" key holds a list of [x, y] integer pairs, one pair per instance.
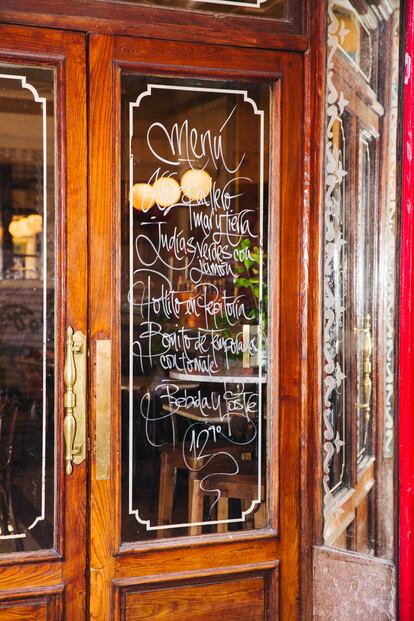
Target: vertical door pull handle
{"points": [[74, 426], [366, 360]]}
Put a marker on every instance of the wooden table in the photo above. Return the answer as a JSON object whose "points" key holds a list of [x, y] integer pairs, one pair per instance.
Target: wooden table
{"points": [[195, 414], [243, 376]]}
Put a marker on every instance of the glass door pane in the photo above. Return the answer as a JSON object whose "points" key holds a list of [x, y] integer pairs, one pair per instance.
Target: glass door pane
{"points": [[194, 306], [27, 308], [360, 279]]}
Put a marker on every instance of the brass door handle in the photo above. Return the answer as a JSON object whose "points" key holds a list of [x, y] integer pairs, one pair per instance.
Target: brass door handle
{"points": [[74, 425], [366, 371], [366, 358]]}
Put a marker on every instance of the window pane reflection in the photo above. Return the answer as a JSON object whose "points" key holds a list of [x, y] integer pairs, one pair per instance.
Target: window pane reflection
{"points": [[27, 308], [360, 279], [194, 318]]}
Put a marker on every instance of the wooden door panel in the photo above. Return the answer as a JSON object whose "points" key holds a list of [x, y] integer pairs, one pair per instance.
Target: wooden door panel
{"points": [[15, 577], [36, 611], [245, 553], [39, 607], [44, 567], [142, 20], [117, 567], [229, 599]]}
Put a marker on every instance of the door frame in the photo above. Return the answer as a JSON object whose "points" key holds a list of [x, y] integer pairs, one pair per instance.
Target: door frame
{"points": [[53, 575], [117, 568], [406, 336], [307, 36], [124, 18]]}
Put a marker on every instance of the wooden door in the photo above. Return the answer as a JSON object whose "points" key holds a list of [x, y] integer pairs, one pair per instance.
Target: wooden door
{"points": [[358, 477], [190, 144], [42, 293]]}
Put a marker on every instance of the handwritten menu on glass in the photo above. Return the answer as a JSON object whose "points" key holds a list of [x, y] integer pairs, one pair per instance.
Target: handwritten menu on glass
{"points": [[194, 321]]}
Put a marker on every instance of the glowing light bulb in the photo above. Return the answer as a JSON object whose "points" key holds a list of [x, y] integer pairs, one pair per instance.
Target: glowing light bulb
{"points": [[143, 196], [196, 184], [26, 226], [167, 191], [35, 223], [14, 228]]}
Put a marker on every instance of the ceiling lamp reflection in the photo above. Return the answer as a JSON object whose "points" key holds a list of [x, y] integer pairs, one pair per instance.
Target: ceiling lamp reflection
{"points": [[26, 226], [167, 191], [143, 196], [196, 184]]}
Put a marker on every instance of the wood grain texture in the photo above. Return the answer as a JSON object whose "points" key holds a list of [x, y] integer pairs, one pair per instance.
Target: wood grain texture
{"points": [[385, 535], [23, 575], [293, 252], [156, 562], [195, 58], [111, 17], [35, 610], [65, 52], [75, 275], [196, 560], [102, 287], [344, 511], [312, 502], [46, 606], [24, 42], [297, 174], [231, 600]]}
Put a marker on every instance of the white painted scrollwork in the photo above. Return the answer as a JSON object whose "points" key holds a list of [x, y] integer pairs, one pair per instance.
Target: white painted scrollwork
{"points": [[28, 156], [333, 374], [142, 299], [390, 253]]}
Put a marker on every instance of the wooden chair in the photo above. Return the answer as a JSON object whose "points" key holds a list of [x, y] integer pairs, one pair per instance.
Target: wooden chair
{"points": [[171, 460], [242, 486], [9, 408]]}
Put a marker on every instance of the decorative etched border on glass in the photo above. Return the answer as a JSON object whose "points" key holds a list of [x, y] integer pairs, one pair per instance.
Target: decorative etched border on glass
{"points": [[24, 155], [183, 139], [359, 277], [334, 308], [355, 39], [391, 250]]}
